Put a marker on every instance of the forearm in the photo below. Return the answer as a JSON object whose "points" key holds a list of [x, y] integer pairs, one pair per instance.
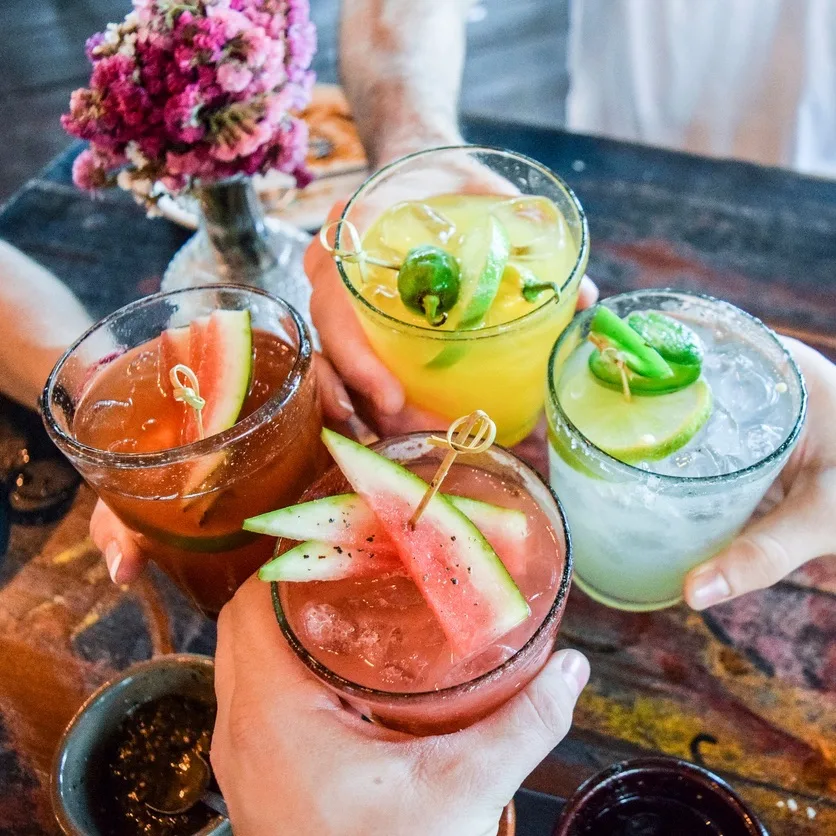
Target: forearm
{"points": [[41, 319], [401, 65]]}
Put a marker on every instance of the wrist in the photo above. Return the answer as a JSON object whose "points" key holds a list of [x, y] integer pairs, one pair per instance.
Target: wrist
{"points": [[393, 147]]}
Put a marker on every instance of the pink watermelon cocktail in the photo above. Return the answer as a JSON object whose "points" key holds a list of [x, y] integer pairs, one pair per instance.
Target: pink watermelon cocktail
{"points": [[377, 641]]}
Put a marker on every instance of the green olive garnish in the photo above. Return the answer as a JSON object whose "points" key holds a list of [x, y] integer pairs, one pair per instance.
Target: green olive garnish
{"points": [[428, 282]]}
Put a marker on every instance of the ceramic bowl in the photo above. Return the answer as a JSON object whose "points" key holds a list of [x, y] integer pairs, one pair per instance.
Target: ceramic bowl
{"points": [[100, 716]]}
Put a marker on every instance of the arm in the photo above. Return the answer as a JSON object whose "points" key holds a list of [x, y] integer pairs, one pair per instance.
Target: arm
{"points": [[401, 65], [41, 318]]}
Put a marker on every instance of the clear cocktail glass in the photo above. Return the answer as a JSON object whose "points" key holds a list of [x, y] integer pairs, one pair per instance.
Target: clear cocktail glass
{"points": [[189, 501], [453, 370], [637, 529], [374, 642]]}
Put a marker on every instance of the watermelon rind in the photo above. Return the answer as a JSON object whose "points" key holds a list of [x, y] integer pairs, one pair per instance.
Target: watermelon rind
{"points": [[225, 368], [316, 561], [346, 518]]}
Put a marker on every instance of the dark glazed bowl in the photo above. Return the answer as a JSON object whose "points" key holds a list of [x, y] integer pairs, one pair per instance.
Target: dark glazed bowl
{"points": [[100, 716], [664, 780]]}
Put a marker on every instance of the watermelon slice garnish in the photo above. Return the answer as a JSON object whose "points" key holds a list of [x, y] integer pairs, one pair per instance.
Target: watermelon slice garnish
{"points": [[316, 561], [347, 521], [221, 355], [456, 570], [219, 349]]}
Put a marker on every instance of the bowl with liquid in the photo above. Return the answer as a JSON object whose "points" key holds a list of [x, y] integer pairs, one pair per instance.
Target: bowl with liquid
{"points": [[119, 752], [657, 796]]}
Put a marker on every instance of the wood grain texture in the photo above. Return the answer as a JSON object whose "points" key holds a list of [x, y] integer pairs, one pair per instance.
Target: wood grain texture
{"points": [[748, 689]]}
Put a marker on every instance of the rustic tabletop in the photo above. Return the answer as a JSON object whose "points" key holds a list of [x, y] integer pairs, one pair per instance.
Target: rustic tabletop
{"points": [[747, 689]]}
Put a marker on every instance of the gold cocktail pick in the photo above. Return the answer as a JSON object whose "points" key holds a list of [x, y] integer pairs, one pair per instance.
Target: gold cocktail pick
{"points": [[187, 391], [476, 433]]}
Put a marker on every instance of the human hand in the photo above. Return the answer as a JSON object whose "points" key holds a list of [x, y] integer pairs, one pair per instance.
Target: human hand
{"points": [[375, 390], [802, 526], [290, 757], [126, 552]]}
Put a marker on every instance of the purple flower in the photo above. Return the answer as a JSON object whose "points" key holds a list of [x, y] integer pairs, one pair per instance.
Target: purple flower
{"points": [[93, 42]]}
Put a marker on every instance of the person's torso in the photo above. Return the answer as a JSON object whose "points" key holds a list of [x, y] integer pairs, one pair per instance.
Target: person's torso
{"points": [[751, 79]]}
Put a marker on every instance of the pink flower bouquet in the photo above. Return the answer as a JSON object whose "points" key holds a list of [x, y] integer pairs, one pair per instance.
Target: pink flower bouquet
{"points": [[186, 91]]}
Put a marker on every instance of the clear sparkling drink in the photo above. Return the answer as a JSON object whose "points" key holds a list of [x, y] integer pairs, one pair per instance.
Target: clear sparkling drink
{"points": [[638, 528]]}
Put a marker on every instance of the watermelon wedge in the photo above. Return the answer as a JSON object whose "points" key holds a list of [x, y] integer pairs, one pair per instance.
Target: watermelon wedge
{"points": [[451, 563], [346, 520], [316, 561], [175, 348], [221, 355], [219, 349]]}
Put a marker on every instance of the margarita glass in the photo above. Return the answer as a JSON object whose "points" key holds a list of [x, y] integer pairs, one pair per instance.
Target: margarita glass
{"points": [[375, 641], [108, 407], [445, 197], [639, 528]]}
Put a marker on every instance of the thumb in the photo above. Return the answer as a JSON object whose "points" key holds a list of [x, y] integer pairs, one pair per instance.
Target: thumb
{"points": [[501, 750], [802, 527]]}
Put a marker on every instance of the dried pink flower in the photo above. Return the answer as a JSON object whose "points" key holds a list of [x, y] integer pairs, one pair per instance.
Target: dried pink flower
{"points": [[195, 89]]}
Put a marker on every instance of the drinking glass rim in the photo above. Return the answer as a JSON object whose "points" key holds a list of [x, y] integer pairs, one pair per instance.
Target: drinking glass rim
{"points": [[274, 404], [344, 685], [658, 765], [428, 332], [666, 478]]}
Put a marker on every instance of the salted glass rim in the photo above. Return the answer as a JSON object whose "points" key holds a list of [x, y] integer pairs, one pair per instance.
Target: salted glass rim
{"points": [[428, 332], [356, 689], [272, 406], [665, 478]]}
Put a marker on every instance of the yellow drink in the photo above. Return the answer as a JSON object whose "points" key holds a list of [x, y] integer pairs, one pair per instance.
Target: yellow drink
{"points": [[499, 363]]}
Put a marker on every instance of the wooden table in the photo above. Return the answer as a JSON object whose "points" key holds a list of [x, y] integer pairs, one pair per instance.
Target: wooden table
{"points": [[748, 689]]}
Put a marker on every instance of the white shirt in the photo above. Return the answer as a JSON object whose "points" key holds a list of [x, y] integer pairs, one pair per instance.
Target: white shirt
{"points": [[749, 79]]}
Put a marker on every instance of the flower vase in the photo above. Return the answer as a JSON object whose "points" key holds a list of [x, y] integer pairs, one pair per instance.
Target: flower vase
{"points": [[235, 244]]}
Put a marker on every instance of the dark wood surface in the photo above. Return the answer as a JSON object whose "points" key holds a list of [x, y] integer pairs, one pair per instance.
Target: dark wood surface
{"points": [[748, 689], [516, 67]]}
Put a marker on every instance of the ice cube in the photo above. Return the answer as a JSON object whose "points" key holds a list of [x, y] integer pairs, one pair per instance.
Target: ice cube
{"points": [[400, 675], [412, 223], [722, 434], [377, 643], [328, 628], [534, 224], [763, 439], [741, 387]]}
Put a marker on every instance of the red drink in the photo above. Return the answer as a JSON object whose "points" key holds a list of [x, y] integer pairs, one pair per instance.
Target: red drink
{"points": [[376, 641], [114, 414]]}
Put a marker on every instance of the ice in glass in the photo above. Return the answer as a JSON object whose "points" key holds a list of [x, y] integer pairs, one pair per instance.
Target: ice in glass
{"points": [[657, 479], [418, 647], [474, 258]]}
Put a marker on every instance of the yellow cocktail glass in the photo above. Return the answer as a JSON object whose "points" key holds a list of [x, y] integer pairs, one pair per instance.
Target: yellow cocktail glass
{"points": [[498, 366]]}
